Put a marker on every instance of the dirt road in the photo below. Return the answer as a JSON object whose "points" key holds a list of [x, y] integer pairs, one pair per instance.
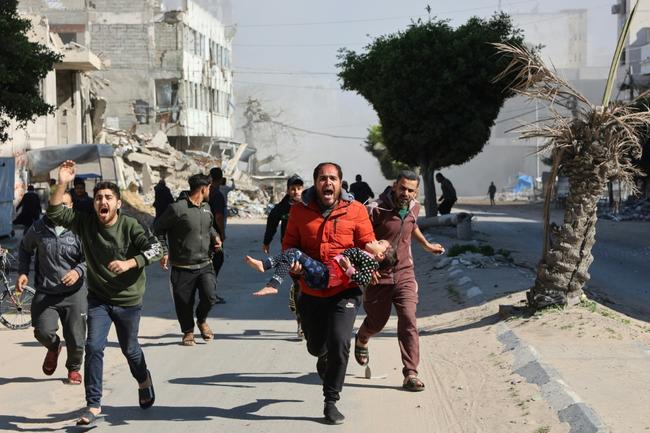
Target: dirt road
{"points": [[257, 377]]}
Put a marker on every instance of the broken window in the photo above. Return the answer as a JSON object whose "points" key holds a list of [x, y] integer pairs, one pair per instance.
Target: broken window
{"points": [[167, 100], [141, 110]]}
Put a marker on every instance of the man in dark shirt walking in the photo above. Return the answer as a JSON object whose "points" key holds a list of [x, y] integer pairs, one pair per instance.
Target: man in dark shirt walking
{"points": [[162, 198], [219, 209], [361, 190], [186, 226], [448, 197]]}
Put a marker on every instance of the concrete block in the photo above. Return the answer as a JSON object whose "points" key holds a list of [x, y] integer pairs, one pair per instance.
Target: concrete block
{"points": [[582, 419], [537, 373], [524, 355], [455, 272], [509, 340], [464, 280], [473, 292], [558, 395]]}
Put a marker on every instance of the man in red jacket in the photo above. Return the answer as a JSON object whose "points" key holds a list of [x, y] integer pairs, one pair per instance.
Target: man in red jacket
{"points": [[394, 218], [325, 223]]}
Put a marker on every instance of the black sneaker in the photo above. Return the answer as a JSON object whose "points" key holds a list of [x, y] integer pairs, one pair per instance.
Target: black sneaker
{"points": [[332, 414], [321, 366]]}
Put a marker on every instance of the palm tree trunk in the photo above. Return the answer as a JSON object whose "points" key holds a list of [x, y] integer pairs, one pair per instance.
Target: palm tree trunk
{"points": [[563, 270]]}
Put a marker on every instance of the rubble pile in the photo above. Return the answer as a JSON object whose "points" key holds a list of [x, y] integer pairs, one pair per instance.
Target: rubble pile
{"points": [[637, 210], [144, 159]]}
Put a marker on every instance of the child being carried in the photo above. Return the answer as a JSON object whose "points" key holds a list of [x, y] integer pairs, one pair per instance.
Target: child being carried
{"points": [[353, 264]]}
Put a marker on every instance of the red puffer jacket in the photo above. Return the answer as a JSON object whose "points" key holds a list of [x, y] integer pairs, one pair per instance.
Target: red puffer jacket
{"points": [[323, 238]]}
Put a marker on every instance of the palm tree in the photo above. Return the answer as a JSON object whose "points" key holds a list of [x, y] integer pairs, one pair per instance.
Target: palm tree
{"points": [[593, 145]]}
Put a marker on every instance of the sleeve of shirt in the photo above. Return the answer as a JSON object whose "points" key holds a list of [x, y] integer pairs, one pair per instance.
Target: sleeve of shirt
{"points": [[26, 251], [217, 203], [63, 216], [146, 243], [292, 234], [272, 224], [162, 225], [81, 267]]}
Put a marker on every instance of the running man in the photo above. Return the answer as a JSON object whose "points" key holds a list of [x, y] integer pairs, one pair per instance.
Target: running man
{"points": [[117, 249], [394, 217], [325, 223], [60, 291]]}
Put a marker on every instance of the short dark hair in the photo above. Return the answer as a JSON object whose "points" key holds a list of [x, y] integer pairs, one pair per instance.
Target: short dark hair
{"points": [[197, 181], [390, 258], [439, 176], [80, 181], [408, 175], [107, 185], [216, 173], [358, 178], [323, 164], [30, 187]]}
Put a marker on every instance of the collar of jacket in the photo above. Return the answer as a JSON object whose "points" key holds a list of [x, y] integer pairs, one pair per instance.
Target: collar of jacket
{"points": [[191, 204], [309, 199], [47, 223]]}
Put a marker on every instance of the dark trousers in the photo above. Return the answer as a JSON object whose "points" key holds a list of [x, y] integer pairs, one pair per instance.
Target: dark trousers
{"points": [[445, 206], [127, 324], [71, 308], [185, 283], [327, 324], [378, 301], [217, 261], [316, 274]]}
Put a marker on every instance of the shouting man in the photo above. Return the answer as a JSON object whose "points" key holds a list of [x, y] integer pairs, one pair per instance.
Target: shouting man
{"points": [[117, 249]]}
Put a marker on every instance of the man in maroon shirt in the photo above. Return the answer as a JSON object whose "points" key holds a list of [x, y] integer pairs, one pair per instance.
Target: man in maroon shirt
{"points": [[394, 218]]}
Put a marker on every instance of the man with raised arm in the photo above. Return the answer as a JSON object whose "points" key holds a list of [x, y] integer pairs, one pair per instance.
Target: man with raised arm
{"points": [[117, 249]]}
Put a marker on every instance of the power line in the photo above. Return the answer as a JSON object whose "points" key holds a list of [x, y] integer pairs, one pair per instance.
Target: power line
{"points": [[309, 131], [260, 72], [297, 45], [286, 85], [515, 117], [366, 20]]}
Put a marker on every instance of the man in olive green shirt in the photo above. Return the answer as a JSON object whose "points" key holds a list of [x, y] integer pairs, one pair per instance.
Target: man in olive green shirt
{"points": [[117, 249]]}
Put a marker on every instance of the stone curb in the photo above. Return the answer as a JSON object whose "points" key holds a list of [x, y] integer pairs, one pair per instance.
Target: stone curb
{"points": [[468, 290], [569, 407]]}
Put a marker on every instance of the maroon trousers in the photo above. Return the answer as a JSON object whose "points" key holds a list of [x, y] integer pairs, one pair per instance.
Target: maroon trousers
{"points": [[378, 301]]}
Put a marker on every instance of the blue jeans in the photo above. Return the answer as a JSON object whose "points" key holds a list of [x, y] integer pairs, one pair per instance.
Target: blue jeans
{"points": [[316, 274], [127, 323]]}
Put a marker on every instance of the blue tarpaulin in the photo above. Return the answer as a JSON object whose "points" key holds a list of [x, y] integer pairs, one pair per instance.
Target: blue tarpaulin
{"points": [[524, 182]]}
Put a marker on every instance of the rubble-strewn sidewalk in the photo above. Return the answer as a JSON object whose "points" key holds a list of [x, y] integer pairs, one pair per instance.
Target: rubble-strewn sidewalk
{"points": [[589, 363]]}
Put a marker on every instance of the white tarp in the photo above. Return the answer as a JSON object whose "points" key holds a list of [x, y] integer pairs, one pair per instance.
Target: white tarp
{"points": [[7, 180], [41, 162]]}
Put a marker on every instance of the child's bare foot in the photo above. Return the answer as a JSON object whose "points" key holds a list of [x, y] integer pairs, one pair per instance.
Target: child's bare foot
{"points": [[255, 264], [268, 290]]}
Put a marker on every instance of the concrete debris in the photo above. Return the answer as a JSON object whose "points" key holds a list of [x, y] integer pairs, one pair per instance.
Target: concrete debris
{"points": [[476, 260], [144, 159], [632, 210]]}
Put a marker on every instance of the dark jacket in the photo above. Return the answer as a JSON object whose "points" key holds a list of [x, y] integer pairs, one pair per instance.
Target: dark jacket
{"points": [[361, 191], [163, 198], [83, 203], [278, 215], [324, 237], [448, 191], [30, 209], [186, 232], [388, 225], [56, 256]]}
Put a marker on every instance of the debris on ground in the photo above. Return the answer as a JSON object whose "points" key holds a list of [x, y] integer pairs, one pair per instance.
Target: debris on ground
{"points": [[631, 210]]}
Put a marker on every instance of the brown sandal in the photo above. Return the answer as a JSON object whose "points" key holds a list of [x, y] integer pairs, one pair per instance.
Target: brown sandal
{"points": [[206, 332], [188, 339], [413, 383]]}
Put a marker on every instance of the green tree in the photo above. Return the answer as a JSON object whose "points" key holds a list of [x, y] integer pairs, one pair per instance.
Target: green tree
{"points": [[390, 168], [432, 88], [24, 64]]}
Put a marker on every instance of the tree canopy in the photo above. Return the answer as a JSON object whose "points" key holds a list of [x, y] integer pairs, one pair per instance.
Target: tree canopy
{"points": [[432, 88], [375, 145], [24, 64]]}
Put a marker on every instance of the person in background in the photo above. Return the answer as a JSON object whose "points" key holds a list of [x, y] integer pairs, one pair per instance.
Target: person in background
{"points": [[30, 209], [448, 197], [492, 190], [361, 190], [162, 198], [280, 215], [219, 209], [81, 201]]}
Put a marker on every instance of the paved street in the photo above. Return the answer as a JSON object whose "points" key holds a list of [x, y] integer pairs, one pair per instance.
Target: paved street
{"points": [[619, 272]]}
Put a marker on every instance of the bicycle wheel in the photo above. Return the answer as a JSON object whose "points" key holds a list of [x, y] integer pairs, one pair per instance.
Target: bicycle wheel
{"points": [[16, 310]]}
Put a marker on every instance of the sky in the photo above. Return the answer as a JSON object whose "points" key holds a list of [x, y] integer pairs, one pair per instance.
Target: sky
{"points": [[285, 54]]}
